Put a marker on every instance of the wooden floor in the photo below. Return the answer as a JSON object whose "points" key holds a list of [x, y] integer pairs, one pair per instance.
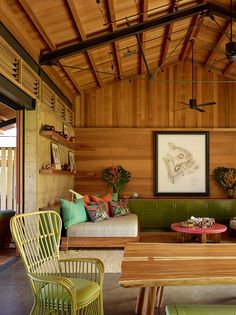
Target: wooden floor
{"points": [[171, 237]]}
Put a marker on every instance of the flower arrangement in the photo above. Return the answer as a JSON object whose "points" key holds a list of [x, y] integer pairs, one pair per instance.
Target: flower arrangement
{"points": [[226, 177], [116, 177]]}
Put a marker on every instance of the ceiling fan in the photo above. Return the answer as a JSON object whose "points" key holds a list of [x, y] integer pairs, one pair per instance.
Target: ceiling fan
{"points": [[192, 104], [230, 47]]}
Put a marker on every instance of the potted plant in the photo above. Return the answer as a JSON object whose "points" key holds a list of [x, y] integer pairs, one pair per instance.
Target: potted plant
{"points": [[226, 177], [116, 177]]}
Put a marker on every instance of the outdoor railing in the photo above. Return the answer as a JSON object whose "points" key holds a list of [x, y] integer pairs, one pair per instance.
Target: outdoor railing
{"points": [[7, 178]]}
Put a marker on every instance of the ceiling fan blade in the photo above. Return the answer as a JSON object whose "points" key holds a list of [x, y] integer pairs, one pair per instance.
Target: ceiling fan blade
{"points": [[181, 108], [184, 103], [199, 109], [206, 104]]}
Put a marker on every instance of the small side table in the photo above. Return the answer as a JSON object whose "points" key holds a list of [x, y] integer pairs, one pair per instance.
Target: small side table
{"points": [[216, 230]]}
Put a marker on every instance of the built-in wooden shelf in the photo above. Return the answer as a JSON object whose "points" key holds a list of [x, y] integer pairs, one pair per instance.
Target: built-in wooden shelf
{"points": [[53, 171], [54, 136]]}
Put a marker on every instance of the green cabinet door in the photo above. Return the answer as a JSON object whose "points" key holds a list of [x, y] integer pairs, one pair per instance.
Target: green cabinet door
{"points": [[198, 208], [214, 210], [182, 208], [166, 213], [147, 213]]}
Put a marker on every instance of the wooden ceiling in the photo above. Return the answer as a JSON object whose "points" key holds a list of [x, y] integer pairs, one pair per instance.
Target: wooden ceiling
{"points": [[7, 118], [99, 42]]}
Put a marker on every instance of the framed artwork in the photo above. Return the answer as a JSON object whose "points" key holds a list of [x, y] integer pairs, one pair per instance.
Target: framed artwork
{"points": [[65, 129], [72, 161], [181, 163], [56, 156]]}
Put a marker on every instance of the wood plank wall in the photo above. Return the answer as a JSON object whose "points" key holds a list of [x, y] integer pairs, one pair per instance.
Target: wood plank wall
{"points": [[98, 148], [115, 124], [144, 103]]}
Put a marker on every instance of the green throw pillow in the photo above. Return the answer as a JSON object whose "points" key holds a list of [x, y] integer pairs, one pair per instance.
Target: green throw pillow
{"points": [[73, 212]]}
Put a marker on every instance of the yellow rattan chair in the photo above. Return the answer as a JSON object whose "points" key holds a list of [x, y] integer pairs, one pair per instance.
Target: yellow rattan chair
{"points": [[60, 286]]}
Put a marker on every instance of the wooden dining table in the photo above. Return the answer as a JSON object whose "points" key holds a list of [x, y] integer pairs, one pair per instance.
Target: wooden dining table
{"points": [[152, 266]]}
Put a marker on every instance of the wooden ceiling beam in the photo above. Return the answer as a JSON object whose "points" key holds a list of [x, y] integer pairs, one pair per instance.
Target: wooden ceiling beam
{"points": [[8, 122], [186, 43], [50, 57], [229, 67], [45, 37], [142, 36], [218, 43], [167, 37], [83, 36], [111, 10], [192, 34]]}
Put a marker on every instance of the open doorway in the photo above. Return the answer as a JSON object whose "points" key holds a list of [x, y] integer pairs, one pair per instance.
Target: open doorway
{"points": [[8, 179]]}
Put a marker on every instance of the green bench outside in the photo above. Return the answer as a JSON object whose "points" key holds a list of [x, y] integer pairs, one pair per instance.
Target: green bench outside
{"points": [[184, 309]]}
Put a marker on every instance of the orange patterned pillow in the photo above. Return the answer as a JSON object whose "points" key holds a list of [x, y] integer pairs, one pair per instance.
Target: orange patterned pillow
{"points": [[86, 199], [97, 199]]}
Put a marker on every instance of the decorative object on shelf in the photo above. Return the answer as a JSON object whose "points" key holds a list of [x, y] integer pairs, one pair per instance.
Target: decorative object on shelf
{"points": [[65, 129], [72, 166], [56, 156], [135, 195], [48, 128], [116, 177], [226, 178], [181, 163]]}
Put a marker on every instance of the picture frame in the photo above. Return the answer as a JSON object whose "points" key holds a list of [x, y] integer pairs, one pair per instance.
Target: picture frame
{"points": [[181, 163], [56, 155], [72, 161], [65, 129]]}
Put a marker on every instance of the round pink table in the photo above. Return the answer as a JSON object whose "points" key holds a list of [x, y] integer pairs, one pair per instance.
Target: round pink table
{"points": [[216, 230]]}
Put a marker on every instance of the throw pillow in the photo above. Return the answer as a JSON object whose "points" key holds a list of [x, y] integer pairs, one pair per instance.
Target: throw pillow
{"points": [[97, 211], [73, 212], [101, 199], [86, 199], [119, 208]]}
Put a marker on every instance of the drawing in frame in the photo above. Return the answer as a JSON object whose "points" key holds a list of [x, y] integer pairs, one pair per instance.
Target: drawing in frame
{"points": [[72, 161], [181, 163], [56, 156]]}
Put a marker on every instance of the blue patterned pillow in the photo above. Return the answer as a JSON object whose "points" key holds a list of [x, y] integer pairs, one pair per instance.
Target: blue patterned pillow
{"points": [[97, 211]]}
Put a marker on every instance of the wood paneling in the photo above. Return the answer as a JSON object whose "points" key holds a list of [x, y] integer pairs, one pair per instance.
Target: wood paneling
{"points": [[98, 148], [149, 103], [118, 122]]}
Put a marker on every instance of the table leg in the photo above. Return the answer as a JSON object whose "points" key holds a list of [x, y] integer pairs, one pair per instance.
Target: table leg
{"points": [[151, 301], [180, 237], [159, 297], [216, 237], [140, 301], [202, 238]]}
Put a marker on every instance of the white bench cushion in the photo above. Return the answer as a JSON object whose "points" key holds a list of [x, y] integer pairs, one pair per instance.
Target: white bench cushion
{"points": [[124, 226]]}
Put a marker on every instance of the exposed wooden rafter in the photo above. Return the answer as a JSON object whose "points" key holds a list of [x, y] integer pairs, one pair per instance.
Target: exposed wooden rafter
{"points": [[83, 36], [110, 5], [46, 38], [218, 43], [167, 37], [229, 67], [194, 28], [48, 58], [142, 36]]}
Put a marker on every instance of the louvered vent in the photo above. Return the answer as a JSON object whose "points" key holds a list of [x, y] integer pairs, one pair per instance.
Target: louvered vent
{"points": [[61, 108], [48, 97], [8, 60], [30, 80], [69, 117]]}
